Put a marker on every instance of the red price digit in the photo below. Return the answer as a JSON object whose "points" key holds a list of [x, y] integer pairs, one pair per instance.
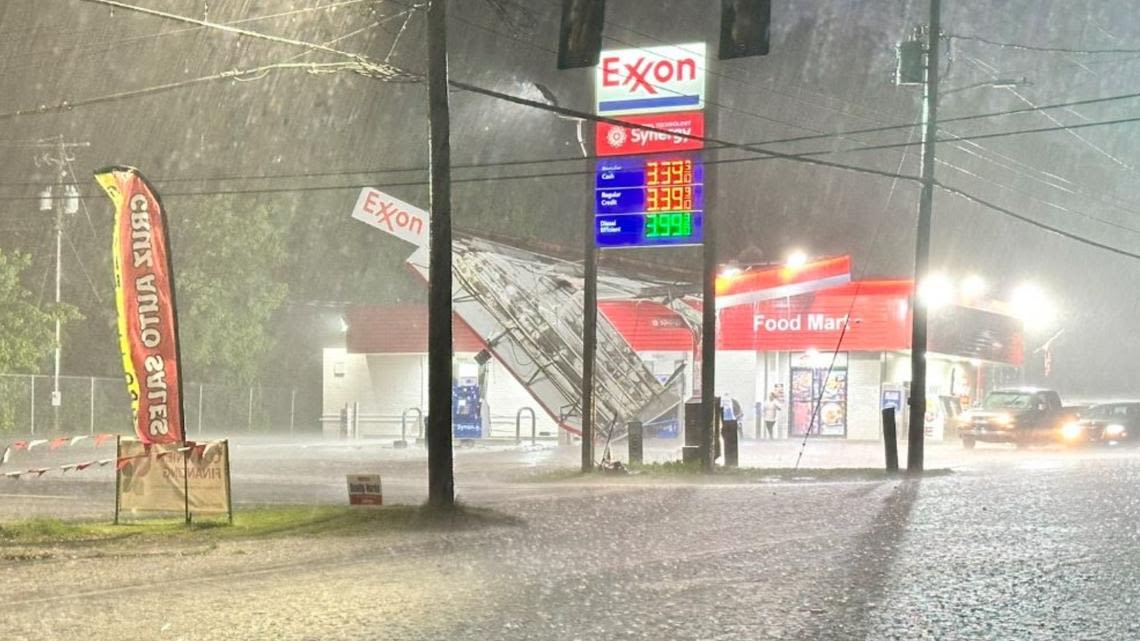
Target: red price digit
{"points": [[651, 173], [676, 172]]}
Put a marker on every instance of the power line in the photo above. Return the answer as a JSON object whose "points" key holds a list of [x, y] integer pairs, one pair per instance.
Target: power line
{"points": [[748, 147], [66, 105], [1031, 196], [377, 70], [840, 135], [1044, 49], [725, 76], [717, 145], [764, 154], [121, 43], [349, 172], [361, 64], [1036, 223], [708, 103], [392, 72]]}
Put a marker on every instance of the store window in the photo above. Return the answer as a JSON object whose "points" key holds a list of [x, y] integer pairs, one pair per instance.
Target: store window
{"points": [[819, 394]]}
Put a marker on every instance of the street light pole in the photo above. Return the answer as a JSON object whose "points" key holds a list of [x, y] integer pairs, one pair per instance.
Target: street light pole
{"points": [[441, 474], [919, 320], [63, 200]]}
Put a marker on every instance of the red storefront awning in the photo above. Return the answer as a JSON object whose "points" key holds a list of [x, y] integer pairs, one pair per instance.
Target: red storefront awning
{"points": [[875, 313], [878, 313], [400, 329], [781, 281], [858, 316]]}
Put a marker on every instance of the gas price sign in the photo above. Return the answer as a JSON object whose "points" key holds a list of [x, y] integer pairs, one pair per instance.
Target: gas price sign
{"points": [[641, 202]]}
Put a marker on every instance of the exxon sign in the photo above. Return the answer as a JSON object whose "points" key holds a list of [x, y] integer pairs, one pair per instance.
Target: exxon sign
{"points": [[653, 79]]}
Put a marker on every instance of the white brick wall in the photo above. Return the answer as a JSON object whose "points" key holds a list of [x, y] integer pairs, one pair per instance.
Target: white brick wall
{"points": [[863, 376], [386, 385]]}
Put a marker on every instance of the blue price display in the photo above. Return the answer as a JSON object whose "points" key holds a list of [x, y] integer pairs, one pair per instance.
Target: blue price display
{"points": [[638, 200], [648, 230], [620, 173], [648, 201]]}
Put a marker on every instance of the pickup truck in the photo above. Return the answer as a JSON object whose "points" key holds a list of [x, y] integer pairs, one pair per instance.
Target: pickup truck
{"points": [[1022, 416]]}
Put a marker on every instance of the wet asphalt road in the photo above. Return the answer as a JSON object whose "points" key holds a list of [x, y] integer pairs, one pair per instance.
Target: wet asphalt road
{"points": [[1013, 545]]}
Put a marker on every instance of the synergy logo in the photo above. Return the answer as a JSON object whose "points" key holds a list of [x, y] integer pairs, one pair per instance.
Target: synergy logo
{"points": [[671, 132], [615, 137], [653, 79]]}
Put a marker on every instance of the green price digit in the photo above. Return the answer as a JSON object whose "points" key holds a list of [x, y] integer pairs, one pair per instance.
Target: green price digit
{"points": [[687, 225], [676, 224], [651, 226]]}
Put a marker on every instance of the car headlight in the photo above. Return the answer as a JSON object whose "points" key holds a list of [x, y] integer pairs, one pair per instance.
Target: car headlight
{"points": [[1115, 430], [1003, 419], [1072, 431]]}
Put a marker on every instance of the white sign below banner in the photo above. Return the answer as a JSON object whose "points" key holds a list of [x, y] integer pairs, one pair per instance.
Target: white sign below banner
{"points": [[392, 215]]}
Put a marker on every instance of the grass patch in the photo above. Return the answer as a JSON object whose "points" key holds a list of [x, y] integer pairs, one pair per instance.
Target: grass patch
{"points": [[257, 523]]}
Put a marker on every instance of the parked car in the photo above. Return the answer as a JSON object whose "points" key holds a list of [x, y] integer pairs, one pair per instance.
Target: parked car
{"points": [[1107, 424], [1022, 416]]}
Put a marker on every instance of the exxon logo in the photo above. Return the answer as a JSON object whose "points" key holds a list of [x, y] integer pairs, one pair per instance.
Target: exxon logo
{"points": [[651, 80], [646, 74]]}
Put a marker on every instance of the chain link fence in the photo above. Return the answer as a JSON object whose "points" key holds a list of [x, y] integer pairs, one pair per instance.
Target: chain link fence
{"points": [[89, 404]]}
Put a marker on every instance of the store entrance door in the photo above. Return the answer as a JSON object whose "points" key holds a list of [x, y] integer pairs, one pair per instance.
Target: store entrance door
{"points": [[815, 380]]}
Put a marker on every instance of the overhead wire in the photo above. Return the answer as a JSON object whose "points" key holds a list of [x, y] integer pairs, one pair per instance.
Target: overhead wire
{"points": [[1040, 48], [381, 70], [707, 103], [121, 43], [762, 154], [864, 269], [1036, 223], [392, 72]]}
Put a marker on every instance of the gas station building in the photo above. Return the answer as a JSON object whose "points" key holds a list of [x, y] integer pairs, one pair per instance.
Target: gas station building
{"points": [[834, 351]]}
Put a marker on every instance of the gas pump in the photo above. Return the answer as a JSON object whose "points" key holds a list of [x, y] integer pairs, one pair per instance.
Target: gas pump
{"points": [[466, 402]]}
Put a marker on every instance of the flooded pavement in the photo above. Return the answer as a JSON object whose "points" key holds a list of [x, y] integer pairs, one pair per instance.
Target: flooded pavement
{"points": [[1015, 545]]}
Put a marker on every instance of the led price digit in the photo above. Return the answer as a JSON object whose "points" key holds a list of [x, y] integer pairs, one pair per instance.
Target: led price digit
{"points": [[677, 172], [651, 226]]}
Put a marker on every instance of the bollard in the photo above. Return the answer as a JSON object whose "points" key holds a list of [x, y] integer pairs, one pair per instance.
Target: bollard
{"points": [[533, 426], [730, 433], [890, 439], [694, 448], [635, 441], [403, 442]]}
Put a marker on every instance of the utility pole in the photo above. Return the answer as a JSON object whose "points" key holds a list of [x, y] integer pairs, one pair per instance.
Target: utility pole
{"points": [[709, 271], [589, 338], [64, 198], [58, 204], [919, 318], [441, 474]]}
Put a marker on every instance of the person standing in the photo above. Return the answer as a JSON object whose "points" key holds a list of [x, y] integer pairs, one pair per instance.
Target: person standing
{"points": [[738, 411], [730, 413], [772, 414]]}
